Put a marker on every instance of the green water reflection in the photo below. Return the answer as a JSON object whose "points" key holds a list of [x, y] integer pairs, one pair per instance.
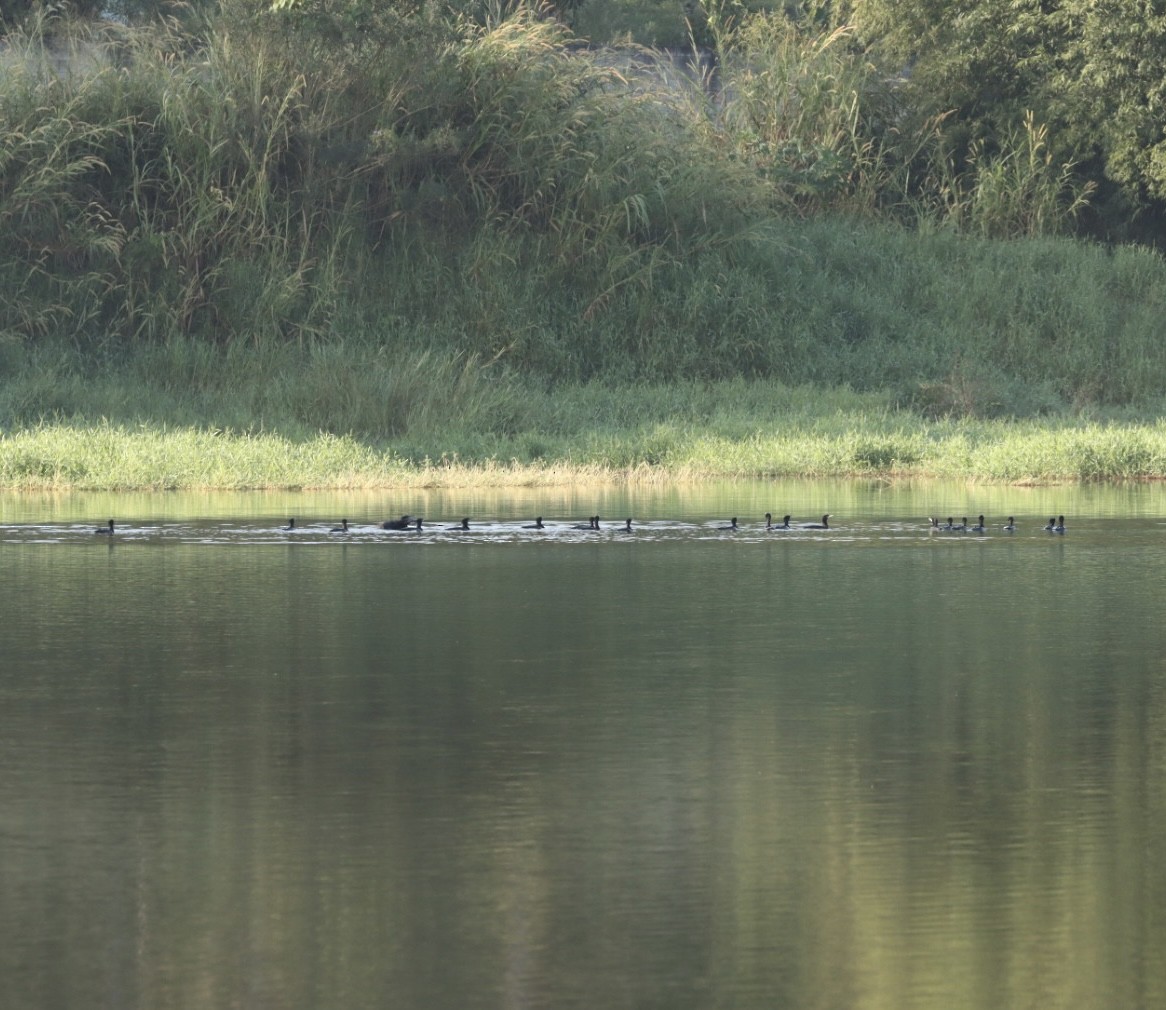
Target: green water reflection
{"points": [[877, 770]]}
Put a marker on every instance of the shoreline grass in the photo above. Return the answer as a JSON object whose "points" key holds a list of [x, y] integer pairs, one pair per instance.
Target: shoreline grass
{"points": [[847, 436], [525, 269]]}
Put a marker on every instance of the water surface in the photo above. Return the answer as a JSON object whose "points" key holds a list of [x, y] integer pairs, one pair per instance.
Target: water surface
{"points": [[872, 767]]}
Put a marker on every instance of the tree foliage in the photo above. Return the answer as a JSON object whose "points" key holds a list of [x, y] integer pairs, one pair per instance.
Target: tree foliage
{"points": [[16, 12], [1115, 80], [1093, 74], [994, 115]]}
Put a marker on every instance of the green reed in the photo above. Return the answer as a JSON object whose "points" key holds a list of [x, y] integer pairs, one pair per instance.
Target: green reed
{"points": [[262, 183], [447, 240], [1049, 327], [583, 434]]}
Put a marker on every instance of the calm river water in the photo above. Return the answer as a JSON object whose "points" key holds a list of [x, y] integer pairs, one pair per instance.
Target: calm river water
{"points": [[871, 768]]}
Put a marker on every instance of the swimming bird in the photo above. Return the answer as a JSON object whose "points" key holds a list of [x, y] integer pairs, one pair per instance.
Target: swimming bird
{"points": [[291, 525], [627, 526], [397, 524], [342, 528], [1011, 525], [1051, 525], [463, 525], [823, 525], [536, 525], [1060, 527], [948, 525], [961, 525], [783, 525], [732, 524], [105, 531], [979, 527], [934, 524], [591, 524]]}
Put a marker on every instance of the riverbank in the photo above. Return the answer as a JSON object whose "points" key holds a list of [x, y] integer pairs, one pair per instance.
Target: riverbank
{"points": [[858, 356], [732, 429], [704, 326], [249, 270]]}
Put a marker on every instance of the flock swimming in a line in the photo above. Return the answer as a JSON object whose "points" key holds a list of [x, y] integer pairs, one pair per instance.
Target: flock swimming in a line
{"points": [[416, 524], [1056, 524]]}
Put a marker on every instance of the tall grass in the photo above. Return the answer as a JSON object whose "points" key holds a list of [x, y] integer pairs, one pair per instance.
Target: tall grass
{"points": [[1013, 189], [806, 109], [58, 244], [233, 184], [1044, 327], [804, 103], [413, 224], [946, 324], [587, 435], [138, 199]]}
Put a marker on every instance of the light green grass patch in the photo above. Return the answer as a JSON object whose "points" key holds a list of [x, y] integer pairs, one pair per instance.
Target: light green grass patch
{"points": [[107, 456]]}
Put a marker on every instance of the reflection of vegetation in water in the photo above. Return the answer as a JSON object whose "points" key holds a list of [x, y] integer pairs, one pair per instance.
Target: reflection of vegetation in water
{"points": [[774, 809]]}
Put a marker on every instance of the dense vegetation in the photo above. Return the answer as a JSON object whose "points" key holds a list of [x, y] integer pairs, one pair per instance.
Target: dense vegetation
{"points": [[428, 227]]}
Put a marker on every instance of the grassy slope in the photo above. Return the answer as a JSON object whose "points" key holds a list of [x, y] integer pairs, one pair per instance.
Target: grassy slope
{"points": [[879, 363], [868, 357], [644, 310], [841, 348]]}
